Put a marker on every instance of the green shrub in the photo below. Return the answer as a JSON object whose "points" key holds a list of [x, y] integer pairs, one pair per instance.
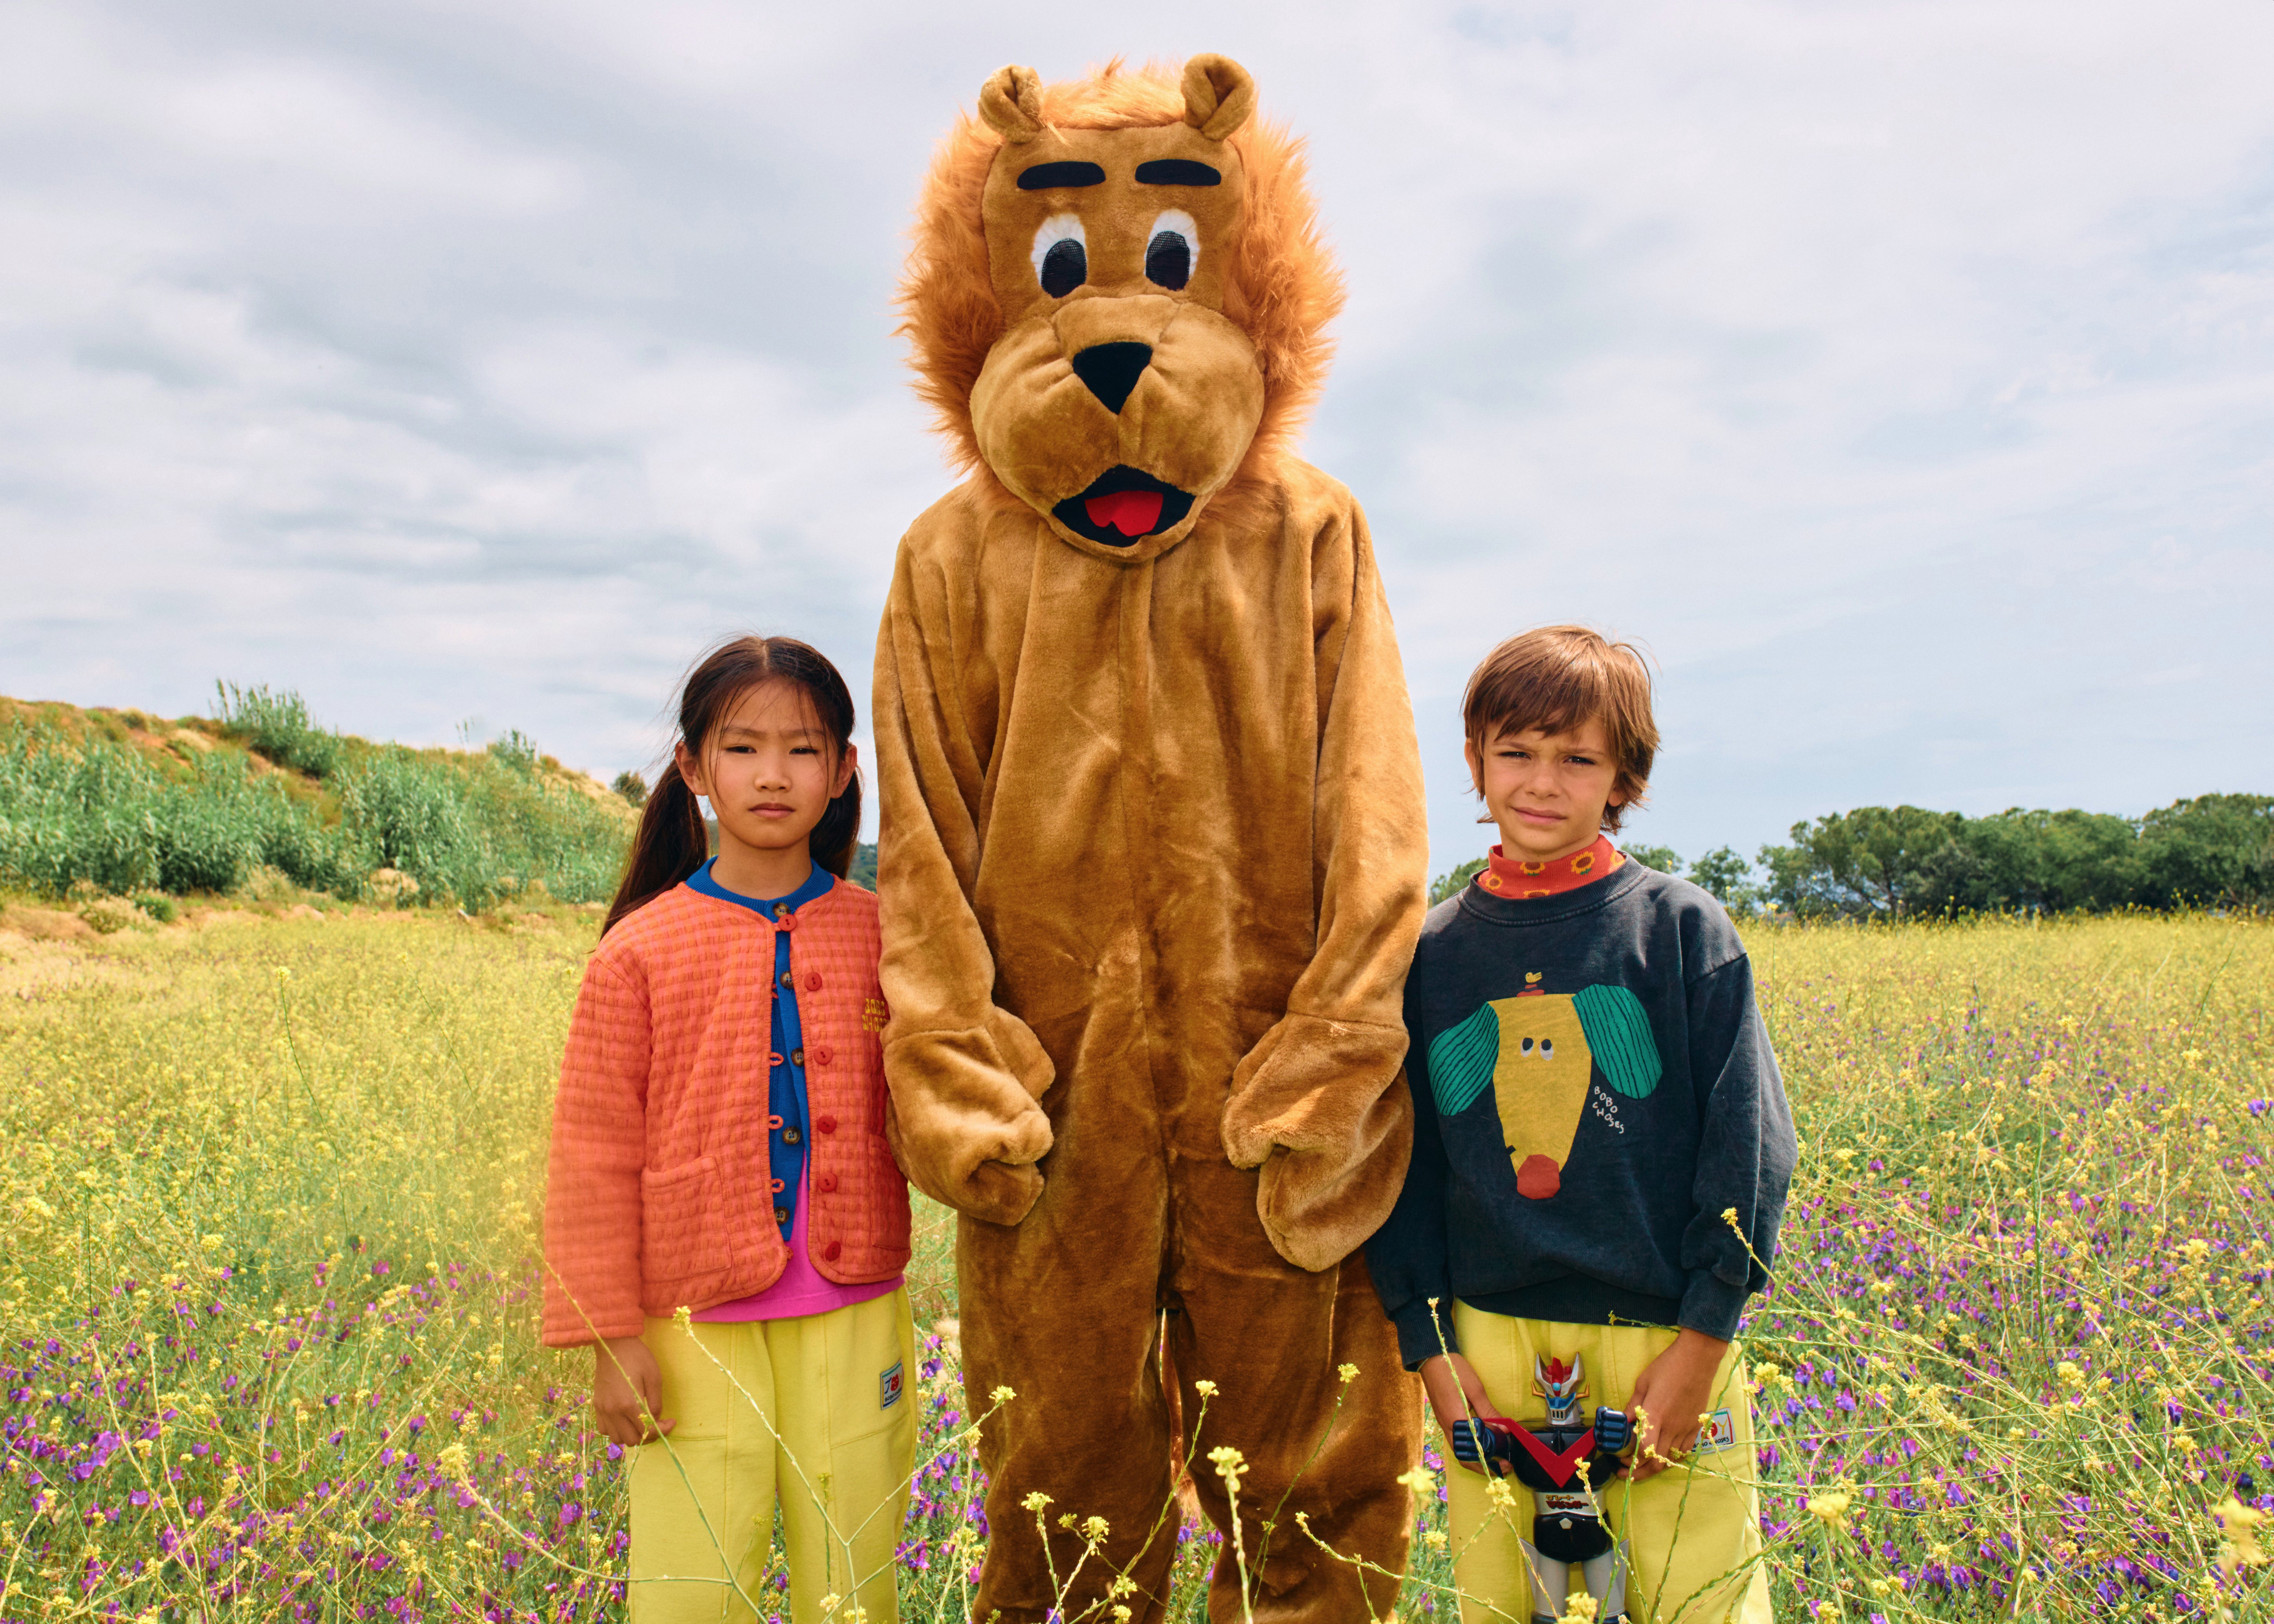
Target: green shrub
{"points": [[278, 725], [465, 830]]}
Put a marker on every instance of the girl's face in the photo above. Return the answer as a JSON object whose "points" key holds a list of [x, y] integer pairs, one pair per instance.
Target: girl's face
{"points": [[769, 770]]}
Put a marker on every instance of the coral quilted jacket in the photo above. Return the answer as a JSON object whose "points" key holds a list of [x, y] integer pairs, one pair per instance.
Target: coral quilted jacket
{"points": [[659, 1195]]}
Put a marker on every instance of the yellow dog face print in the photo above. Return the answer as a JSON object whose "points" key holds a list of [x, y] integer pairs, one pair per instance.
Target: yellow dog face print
{"points": [[1540, 1053]]}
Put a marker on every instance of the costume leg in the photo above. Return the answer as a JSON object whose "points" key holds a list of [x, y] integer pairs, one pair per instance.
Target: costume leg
{"points": [[848, 1444], [703, 1499], [1064, 1310], [1272, 1338]]}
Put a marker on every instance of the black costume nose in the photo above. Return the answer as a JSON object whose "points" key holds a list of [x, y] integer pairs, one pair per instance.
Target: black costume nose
{"points": [[1112, 370]]}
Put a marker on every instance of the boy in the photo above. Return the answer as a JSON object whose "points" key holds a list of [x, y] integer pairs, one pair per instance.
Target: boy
{"points": [[1601, 1154]]}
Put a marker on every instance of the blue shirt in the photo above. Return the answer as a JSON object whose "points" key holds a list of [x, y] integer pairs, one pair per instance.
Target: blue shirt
{"points": [[787, 1127]]}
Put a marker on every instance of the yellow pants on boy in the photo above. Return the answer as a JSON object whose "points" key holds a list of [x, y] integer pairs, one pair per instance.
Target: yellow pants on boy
{"points": [[816, 1413], [1692, 1533]]}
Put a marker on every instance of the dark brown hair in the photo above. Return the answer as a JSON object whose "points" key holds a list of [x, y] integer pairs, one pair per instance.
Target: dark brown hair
{"points": [[673, 838], [1554, 678]]}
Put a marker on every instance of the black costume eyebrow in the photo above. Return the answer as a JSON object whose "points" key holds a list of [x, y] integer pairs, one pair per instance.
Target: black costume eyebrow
{"points": [[1169, 172], [1042, 176]]}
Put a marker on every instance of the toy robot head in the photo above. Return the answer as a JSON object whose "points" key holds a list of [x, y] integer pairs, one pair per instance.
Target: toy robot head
{"points": [[1562, 1385]]}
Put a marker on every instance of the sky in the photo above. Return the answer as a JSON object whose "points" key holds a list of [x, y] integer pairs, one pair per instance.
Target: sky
{"points": [[1900, 375]]}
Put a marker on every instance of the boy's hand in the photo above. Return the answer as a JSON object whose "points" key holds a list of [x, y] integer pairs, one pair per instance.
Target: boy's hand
{"points": [[1456, 1393], [628, 1391], [1672, 1392]]}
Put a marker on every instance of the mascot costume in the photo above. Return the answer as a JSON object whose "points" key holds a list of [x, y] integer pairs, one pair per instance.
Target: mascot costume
{"points": [[1153, 854]]}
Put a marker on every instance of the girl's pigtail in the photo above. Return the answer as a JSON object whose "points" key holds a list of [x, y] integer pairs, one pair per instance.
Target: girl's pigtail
{"points": [[834, 838], [670, 845]]}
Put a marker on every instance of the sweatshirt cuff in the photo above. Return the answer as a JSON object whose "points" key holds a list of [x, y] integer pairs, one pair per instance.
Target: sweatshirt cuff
{"points": [[1713, 1305], [1422, 1336]]}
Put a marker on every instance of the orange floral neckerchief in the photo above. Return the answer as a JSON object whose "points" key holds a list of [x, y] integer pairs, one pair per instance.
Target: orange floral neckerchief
{"points": [[1505, 877]]}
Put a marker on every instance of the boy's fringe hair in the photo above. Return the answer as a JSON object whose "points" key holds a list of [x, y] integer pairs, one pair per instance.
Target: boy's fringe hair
{"points": [[1554, 678], [1283, 290]]}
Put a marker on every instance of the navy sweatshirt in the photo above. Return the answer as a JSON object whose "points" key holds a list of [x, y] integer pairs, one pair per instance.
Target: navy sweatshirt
{"points": [[1594, 1091]]}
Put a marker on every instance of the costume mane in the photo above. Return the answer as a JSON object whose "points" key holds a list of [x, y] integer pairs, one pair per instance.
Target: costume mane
{"points": [[1283, 291]]}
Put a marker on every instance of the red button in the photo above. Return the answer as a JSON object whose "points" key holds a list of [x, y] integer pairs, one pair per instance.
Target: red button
{"points": [[828, 1181], [813, 982], [824, 1125], [821, 1055], [831, 1251]]}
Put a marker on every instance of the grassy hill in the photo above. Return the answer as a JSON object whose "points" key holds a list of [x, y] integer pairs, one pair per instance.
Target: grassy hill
{"points": [[122, 804]]}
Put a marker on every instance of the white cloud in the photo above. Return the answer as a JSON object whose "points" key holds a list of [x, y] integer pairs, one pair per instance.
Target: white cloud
{"points": [[1903, 373]]}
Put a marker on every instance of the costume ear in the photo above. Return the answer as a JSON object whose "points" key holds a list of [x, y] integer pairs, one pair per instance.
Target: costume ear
{"points": [[1012, 103], [1218, 95], [1617, 1029]]}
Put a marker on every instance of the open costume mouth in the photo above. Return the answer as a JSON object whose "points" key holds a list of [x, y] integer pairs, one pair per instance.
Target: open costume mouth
{"points": [[1121, 506]]}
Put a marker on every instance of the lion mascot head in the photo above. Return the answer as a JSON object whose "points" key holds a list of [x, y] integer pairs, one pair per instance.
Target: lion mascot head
{"points": [[1117, 296]]}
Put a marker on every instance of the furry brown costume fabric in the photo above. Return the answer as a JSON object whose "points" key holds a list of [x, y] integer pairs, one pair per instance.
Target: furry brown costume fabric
{"points": [[1152, 851]]}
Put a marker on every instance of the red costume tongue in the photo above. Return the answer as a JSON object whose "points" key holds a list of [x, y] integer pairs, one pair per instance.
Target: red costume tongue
{"points": [[1132, 512]]}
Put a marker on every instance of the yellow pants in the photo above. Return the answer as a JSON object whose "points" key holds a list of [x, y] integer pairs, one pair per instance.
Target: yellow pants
{"points": [[817, 1413], [1692, 1533]]}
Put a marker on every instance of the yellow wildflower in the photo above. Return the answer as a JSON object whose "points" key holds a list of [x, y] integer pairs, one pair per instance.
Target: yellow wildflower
{"points": [[1001, 1395], [1346, 1373], [1205, 1387], [1036, 1501], [2239, 1523], [1831, 1509]]}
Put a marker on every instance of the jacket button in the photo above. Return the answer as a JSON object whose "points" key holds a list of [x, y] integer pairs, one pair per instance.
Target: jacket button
{"points": [[813, 982], [797, 1056], [827, 1183], [789, 1135], [781, 1215], [824, 1125], [832, 1251], [787, 980], [821, 1055]]}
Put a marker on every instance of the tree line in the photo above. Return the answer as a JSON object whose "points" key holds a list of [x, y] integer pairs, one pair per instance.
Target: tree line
{"points": [[1907, 862]]}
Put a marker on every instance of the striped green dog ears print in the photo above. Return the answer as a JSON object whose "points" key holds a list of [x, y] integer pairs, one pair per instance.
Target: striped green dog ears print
{"points": [[1618, 1030], [1461, 1061]]}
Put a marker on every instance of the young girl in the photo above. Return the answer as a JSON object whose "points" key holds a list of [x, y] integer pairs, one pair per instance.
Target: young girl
{"points": [[719, 1146]]}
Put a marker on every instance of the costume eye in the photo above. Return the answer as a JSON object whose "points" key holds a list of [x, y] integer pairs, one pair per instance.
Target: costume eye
{"points": [[1172, 249], [1525, 1048], [1061, 255], [1548, 1049]]}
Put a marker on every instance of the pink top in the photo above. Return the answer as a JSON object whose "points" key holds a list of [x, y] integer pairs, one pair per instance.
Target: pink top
{"points": [[803, 1288]]}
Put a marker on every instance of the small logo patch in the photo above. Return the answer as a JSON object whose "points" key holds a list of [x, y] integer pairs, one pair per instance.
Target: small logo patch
{"points": [[874, 1015], [1566, 1506], [888, 1388], [1719, 1434]]}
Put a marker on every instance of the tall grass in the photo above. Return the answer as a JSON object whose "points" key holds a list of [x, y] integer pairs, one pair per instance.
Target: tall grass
{"points": [[466, 829], [269, 1322]]}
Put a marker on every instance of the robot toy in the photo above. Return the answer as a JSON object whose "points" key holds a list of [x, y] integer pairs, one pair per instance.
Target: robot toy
{"points": [[1568, 1531]]}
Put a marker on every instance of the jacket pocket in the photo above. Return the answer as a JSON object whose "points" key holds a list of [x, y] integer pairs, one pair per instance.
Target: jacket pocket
{"points": [[678, 1205]]}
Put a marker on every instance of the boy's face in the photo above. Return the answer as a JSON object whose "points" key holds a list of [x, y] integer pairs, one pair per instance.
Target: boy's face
{"points": [[1547, 792]]}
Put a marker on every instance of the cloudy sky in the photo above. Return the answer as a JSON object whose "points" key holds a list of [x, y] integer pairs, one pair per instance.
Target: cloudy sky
{"points": [[1901, 374]]}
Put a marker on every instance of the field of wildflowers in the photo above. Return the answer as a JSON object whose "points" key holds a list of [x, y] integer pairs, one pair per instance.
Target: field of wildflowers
{"points": [[267, 1315]]}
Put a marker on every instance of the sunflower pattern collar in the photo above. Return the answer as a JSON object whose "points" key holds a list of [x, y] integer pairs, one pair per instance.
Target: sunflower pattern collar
{"points": [[1506, 878]]}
